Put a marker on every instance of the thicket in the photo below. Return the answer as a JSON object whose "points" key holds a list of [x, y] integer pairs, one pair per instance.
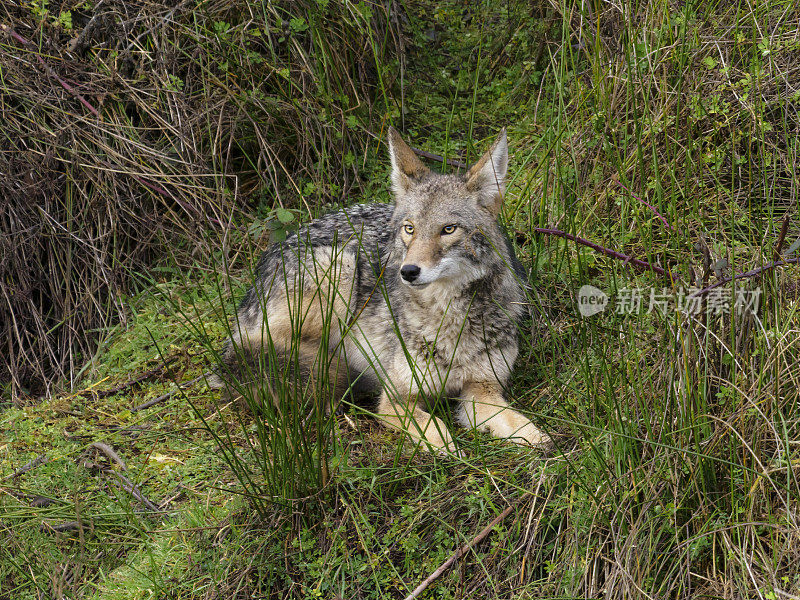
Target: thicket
{"points": [[130, 128]]}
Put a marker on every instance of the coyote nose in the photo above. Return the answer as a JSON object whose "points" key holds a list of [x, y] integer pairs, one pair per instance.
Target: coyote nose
{"points": [[409, 272]]}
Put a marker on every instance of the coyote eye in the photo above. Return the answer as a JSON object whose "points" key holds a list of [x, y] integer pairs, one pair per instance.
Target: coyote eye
{"points": [[448, 229], [408, 228]]}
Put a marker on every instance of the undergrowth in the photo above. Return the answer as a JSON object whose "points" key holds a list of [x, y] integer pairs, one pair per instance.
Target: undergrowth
{"points": [[665, 132], [130, 129]]}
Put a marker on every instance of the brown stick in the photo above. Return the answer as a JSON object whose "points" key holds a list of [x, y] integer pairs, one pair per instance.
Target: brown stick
{"points": [[136, 381], [463, 550], [33, 501], [50, 70], [110, 453], [134, 491], [61, 527], [40, 501], [169, 395], [125, 483], [650, 206], [752, 273], [32, 464], [781, 237], [607, 251], [447, 161]]}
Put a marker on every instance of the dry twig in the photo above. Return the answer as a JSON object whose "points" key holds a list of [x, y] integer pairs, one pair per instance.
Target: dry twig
{"points": [[134, 382], [446, 161], [751, 273], [125, 483], [170, 394], [607, 251], [463, 549], [39, 460], [781, 237]]}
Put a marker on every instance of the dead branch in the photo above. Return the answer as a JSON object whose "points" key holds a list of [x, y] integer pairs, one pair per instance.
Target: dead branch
{"points": [[446, 161], [607, 251], [751, 273], [110, 453], [136, 381], [134, 491], [50, 70], [170, 394], [61, 527], [648, 205], [32, 500], [30, 465], [125, 483], [464, 549], [781, 237]]}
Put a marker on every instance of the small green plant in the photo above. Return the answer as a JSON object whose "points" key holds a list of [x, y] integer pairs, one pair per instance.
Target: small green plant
{"points": [[39, 9], [64, 20], [175, 83]]}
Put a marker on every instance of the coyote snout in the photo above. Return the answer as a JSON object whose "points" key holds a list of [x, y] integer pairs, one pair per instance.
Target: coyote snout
{"points": [[409, 273], [421, 299]]}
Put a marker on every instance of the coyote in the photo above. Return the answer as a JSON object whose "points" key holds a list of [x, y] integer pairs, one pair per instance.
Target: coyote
{"points": [[419, 300]]}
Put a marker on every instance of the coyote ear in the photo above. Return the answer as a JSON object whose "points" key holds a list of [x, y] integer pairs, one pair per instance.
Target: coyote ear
{"points": [[487, 177], [406, 167]]}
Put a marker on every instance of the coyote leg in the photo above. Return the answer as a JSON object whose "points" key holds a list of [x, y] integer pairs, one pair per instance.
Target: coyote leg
{"points": [[483, 407], [415, 422]]}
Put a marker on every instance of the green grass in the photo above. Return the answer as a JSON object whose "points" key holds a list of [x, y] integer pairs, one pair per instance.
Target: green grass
{"points": [[675, 468]]}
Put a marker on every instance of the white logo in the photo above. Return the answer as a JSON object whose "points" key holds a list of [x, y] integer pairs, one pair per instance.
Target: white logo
{"points": [[591, 300]]}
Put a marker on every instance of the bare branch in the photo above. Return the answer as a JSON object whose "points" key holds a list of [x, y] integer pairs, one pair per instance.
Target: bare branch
{"points": [[607, 251], [752, 273], [463, 550]]}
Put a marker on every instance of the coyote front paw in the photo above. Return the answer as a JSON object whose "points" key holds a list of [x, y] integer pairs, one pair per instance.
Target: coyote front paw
{"points": [[438, 438], [517, 428], [530, 435]]}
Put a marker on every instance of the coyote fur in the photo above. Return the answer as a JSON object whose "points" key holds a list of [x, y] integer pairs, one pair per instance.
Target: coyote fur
{"points": [[420, 299]]}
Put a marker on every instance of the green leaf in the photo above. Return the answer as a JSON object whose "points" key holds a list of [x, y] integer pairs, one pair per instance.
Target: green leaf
{"points": [[298, 24], [65, 19], [284, 216], [792, 248]]}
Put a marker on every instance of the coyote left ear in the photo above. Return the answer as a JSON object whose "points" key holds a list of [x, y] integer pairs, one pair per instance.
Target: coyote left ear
{"points": [[487, 177], [406, 167]]}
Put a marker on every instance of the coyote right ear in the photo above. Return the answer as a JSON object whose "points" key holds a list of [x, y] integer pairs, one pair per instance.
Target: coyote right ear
{"points": [[406, 167], [487, 177]]}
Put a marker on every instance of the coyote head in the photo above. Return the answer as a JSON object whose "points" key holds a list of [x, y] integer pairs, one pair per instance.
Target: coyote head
{"points": [[445, 226]]}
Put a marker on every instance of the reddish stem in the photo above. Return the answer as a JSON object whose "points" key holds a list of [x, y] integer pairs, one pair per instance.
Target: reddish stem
{"points": [[751, 273], [608, 252], [650, 206], [51, 72]]}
